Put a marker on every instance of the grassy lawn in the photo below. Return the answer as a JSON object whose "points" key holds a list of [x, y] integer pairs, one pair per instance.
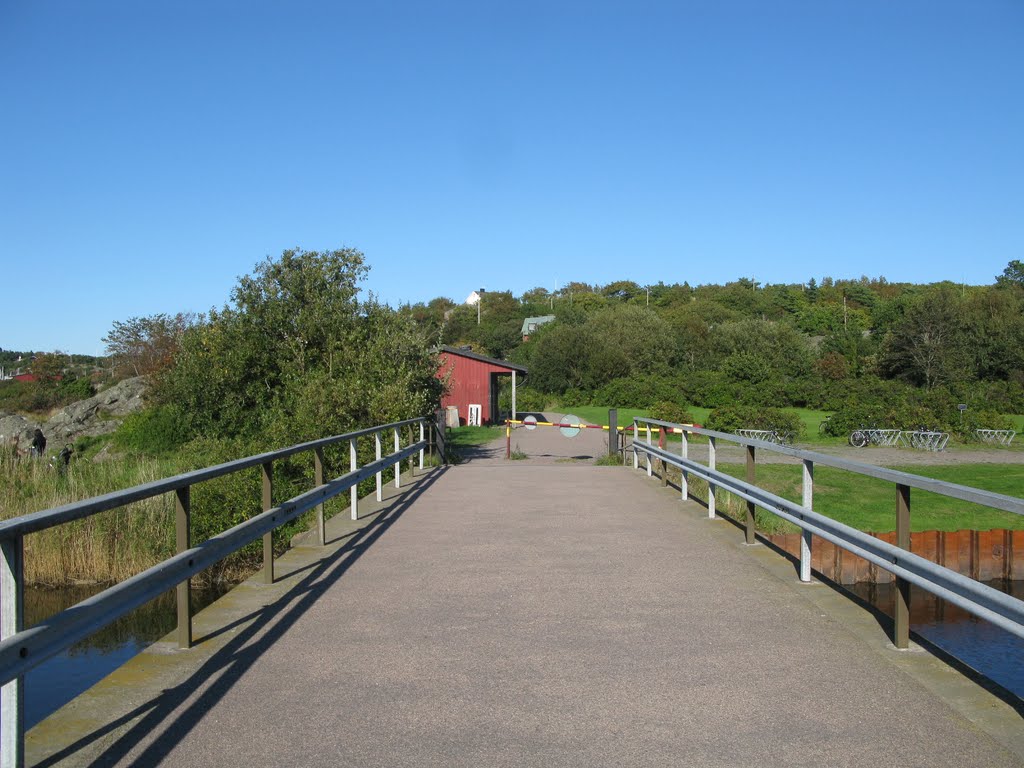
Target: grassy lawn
{"points": [[811, 419], [474, 435], [870, 505]]}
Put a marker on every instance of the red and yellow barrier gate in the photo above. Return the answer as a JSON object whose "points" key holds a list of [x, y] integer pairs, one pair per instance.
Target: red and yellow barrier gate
{"points": [[572, 428]]}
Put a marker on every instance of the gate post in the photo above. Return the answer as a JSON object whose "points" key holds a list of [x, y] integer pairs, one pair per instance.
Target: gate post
{"points": [[613, 431]]}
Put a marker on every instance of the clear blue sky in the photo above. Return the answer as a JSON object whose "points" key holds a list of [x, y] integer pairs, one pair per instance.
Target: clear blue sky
{"points": [[154, 152]]}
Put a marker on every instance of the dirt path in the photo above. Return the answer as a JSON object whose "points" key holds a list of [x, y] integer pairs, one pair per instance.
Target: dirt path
{"points": [[547, 445]]}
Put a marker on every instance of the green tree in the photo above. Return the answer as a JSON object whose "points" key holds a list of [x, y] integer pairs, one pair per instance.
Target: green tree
{"points": [[298, 356], [929, 346], [141, 346], [1013, 275]]}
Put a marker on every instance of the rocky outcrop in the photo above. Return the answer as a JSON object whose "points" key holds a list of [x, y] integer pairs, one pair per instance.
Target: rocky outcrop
{"points": [[98, 415], [16, 431]]}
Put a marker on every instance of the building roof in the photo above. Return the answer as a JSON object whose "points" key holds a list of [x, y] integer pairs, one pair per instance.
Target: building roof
{"points": [[482, 358], [535, 321]]}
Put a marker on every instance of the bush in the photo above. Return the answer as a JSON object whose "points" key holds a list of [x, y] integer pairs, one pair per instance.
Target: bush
{"points": [[671, 412], [154, 431], [527, 400], [972, 420], [736, 417], [639, 391]]}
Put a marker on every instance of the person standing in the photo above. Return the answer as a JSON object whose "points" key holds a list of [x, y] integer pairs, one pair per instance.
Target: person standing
{"points": [[38, 443]]}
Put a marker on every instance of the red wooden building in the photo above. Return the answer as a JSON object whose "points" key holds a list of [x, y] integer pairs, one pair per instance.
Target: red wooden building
{"points": [[473, 383]]}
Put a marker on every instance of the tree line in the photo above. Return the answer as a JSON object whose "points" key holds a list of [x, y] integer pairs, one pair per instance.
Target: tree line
{"points": [[910, 352]]}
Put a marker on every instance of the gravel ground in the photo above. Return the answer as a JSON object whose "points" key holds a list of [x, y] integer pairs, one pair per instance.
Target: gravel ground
{"points": [[546, 445]]}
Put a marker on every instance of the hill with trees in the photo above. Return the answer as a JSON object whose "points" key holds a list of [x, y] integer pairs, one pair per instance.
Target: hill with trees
{"points": [[890, 352]]}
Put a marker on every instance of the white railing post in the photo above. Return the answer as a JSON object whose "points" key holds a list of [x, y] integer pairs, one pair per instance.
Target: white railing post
{"points": [[376, 445], [805, 535], [398, 464], [636, 434], [650, 464], [711, 486], [421, 440], [353, 464], [12, 621], [684, 451]]}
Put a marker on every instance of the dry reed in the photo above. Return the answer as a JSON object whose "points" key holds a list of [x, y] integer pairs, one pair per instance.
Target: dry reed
{"points": [[106, 547]]}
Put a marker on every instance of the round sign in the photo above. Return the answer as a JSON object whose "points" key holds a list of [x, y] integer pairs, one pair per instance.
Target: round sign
{"points": [[530, 422], [569, 425]]}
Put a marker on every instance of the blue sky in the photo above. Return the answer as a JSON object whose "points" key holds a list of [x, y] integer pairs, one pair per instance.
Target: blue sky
{"points": [[152, 153]]}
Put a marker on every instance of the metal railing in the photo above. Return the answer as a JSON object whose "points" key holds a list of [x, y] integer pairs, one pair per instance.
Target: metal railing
{"points": [[979, 599], [22, 649]]}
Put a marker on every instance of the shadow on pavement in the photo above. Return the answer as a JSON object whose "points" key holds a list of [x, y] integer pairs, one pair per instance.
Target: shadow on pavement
{"points": [[232, 661]]}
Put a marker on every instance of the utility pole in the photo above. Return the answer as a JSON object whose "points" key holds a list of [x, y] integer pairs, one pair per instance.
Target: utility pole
{"points": [[479, 301]]}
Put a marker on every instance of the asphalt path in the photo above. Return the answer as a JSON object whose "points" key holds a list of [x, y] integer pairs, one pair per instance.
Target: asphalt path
{"points": [[561, 615]]}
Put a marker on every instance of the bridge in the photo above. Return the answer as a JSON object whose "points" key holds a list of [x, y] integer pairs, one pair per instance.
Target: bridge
{"points": [[541, 612]]}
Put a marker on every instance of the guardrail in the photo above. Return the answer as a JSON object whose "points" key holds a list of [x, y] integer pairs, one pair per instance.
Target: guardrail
{"points": [[979, 599], [22, 649]]}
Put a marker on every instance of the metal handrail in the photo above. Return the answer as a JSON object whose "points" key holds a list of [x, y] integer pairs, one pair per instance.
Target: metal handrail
{"points": [[38, 521], [980, 599], [953, 490], [28, 648], [22, 649]]}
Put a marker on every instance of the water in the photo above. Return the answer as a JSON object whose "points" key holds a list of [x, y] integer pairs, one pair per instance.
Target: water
{"points": [[58, 680], [992, 651]]}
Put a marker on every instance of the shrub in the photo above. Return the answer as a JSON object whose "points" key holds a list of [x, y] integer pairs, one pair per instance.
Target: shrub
{"points": [[972, 420], [527, 400], [639, 391], [154, 431], [736, 417], [671, 412]]}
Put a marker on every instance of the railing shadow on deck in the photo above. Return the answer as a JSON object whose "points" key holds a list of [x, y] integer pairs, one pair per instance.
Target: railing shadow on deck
{"points": [[229, 663]]}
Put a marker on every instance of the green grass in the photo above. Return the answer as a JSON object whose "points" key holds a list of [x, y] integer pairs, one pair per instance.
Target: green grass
{"points": [[597, 414], [870, 505], [465, 436]]}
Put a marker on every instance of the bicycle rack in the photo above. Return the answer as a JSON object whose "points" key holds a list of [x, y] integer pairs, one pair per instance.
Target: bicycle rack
{"points": [[996, 436], [926, 441], [767, 435], [883, 437]]}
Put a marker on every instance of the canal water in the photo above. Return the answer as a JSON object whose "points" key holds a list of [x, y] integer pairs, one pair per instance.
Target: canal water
{"points": [[57, 681], [991, 651], [984, 647]]}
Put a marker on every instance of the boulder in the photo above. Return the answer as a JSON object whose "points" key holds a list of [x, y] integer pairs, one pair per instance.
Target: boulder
{"points": [[98, 415], [16, 431]]}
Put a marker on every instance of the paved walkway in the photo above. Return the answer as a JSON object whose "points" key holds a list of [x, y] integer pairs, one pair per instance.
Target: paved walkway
{"points": [[560, 615]]}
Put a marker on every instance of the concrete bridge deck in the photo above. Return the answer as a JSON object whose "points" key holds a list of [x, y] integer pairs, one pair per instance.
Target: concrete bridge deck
{"points": [[549, 615]]}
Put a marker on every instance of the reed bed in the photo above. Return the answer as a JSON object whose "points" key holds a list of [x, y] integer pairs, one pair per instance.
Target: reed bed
{"points": [[106, 547]]}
